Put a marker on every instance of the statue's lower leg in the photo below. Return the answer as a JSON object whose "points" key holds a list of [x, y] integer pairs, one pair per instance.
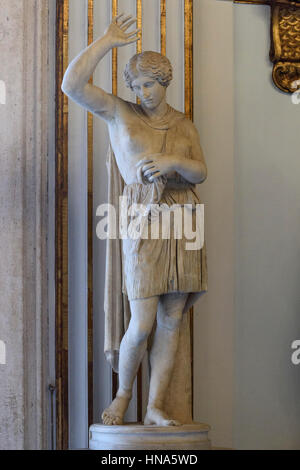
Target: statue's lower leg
{"points": [[162, 358], [131, 355], [132, 350]]}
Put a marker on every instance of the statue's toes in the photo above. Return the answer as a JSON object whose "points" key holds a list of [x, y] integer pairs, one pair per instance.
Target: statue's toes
{"points": [[108, 421], [173, 422], [106, 418], [117, 421]]}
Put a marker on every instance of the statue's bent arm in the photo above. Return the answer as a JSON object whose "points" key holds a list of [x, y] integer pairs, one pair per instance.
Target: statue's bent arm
{"points": [[192, 169], [76, 80], [197, 153]]}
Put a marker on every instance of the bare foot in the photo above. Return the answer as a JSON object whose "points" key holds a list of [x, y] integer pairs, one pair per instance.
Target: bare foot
{"points": [[159, 418], [114, 414]]}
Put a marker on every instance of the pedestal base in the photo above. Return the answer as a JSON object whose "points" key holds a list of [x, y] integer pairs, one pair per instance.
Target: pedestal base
{"points": [[139, 437]]}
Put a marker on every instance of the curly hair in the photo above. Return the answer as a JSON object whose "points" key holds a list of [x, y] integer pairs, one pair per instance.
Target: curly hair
{"points": [[152, 64]]}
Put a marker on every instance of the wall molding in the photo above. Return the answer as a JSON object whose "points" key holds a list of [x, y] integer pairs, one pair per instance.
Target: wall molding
{"points": [[35, 220]]}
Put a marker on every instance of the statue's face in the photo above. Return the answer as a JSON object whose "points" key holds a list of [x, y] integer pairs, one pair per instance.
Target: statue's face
{"points": [[149, 90]]}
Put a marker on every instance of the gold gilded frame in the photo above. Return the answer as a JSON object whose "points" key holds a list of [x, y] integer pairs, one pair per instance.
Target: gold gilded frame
{"points": [[61, 217], [61, 229], [189, 112], [90, 140], [285, 42]]}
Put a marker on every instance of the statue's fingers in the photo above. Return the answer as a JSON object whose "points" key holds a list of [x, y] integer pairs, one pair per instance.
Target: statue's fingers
{"points": [[124, 20], [131, 41], [128, 24], [147, 167], [151, 171], [133, 33], [151, 178], [116, 18]]}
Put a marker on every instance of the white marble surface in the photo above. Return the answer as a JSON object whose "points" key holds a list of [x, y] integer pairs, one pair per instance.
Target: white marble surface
{"points": [[139, 437]]}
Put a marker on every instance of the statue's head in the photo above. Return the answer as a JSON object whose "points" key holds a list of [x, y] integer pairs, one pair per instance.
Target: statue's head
{"points": [[148, 75]]}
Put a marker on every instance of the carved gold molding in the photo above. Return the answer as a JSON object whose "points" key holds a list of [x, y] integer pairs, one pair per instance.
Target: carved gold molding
{"points": [[285, 47], [285, 42]]}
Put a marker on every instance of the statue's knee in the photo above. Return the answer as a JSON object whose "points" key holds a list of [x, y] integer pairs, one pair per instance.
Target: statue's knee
{"points": [[170, 322], [139, 334]]}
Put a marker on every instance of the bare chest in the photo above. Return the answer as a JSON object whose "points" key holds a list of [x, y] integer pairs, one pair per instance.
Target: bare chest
{"points": [[132, 140]]}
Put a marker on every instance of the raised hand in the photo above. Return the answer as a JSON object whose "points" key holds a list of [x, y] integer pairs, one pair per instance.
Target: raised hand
{"points": [[117, 31]]}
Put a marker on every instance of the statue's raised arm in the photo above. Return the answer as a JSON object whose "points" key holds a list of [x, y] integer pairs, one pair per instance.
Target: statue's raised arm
{"points": [[76, 80]]}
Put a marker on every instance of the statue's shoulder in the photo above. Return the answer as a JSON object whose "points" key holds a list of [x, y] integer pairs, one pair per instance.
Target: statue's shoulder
{"points": [[124, 105], [175, 114], [185, 124]]}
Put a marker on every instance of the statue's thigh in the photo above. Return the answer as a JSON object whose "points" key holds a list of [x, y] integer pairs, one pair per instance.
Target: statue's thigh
{"points": [[170, 309]]}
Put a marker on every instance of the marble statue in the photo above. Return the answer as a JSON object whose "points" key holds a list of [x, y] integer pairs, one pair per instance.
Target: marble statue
{"points": [[158, 155]]}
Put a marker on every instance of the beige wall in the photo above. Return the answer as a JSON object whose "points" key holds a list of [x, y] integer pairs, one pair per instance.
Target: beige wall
{"points": [[267, 221], [214, 118], [246, 386]]}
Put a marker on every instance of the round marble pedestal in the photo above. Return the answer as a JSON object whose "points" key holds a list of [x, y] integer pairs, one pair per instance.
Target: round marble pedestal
{"points": [[138, 437]]}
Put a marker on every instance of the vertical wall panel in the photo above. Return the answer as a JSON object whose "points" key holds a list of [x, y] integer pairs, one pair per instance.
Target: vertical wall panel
{"points": [[163, 20], [78, 218], [175, 52], [267, 211], [51, 220], [61, 229], [103, 79], [151, 38], [90, 163], [214, 313]]}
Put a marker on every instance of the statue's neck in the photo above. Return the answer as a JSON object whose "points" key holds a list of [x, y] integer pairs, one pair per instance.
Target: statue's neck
{"points": [[158, 113], [158, 122]]}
